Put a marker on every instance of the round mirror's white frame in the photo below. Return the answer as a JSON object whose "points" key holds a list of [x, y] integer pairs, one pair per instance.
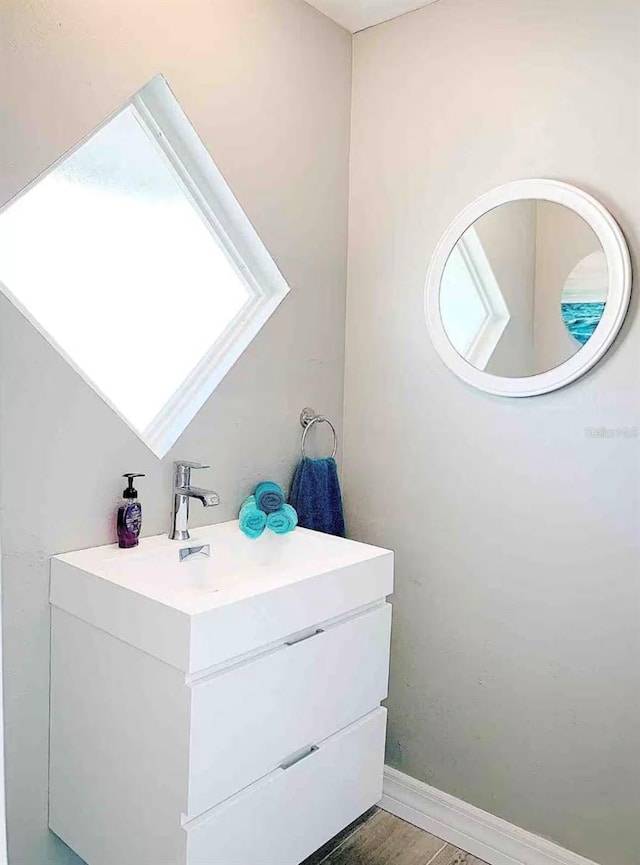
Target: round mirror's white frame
{"points": [[619, 266]]}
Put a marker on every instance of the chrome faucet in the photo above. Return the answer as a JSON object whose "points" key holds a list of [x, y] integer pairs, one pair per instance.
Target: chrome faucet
{"points": [[182, 492]]}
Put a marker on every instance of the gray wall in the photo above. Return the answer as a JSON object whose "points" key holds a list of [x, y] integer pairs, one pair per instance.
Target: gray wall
{"points": [[267, 85], [515, 675]]}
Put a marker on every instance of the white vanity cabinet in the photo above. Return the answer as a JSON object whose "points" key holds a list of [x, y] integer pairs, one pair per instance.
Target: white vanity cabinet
{"points": [[217, 711]]}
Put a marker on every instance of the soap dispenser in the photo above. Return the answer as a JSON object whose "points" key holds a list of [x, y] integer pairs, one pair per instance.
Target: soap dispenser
{"points": [[129, 515]]}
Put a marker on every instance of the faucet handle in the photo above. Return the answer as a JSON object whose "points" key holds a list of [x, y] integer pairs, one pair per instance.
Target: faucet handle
{"points": [[187, 464], [182, 471]]}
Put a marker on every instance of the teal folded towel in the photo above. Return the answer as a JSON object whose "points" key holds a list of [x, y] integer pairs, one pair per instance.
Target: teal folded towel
{"points": [[269, 497], [252, 519], [283, 521]]}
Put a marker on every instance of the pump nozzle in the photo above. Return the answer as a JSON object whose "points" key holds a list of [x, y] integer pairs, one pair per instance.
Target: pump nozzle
{"points": [[130, 492]]}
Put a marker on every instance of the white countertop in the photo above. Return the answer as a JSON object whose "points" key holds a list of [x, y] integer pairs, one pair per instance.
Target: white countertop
{"points": [[238, 568]]}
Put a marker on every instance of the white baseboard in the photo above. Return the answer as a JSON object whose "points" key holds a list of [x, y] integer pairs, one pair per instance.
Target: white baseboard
{"points": [[477, 832]]}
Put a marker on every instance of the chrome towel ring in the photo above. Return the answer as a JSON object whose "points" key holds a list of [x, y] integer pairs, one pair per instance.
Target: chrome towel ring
{"points": [[307, 419]]}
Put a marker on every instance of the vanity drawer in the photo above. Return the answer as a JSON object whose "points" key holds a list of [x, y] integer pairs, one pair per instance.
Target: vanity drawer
{"points": [[246, 719], [291, 812]]}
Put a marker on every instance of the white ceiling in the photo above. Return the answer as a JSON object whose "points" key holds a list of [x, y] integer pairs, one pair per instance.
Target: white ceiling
{"points": [[357, 14]]}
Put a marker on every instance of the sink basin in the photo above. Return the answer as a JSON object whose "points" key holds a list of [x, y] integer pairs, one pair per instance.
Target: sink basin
{"points": [[195, 613]]}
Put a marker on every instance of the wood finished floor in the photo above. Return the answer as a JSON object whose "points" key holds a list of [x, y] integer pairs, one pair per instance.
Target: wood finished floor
{"points": [[379, 838]]}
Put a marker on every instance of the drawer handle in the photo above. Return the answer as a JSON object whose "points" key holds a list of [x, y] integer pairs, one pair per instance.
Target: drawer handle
{"points": [[305, 637], [298, 757]]}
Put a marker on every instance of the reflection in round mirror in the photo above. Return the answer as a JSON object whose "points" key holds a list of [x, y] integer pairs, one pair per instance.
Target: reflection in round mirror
{"points": [[523, 288], [584, 295], [527, 288]]}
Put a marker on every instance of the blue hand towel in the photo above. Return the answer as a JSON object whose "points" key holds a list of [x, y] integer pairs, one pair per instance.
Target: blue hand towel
{"points": [[252, 519], [315, 494], [269, 497], [283, 521]]}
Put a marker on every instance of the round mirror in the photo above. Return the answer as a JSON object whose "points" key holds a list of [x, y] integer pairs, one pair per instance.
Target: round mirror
{"points": [[528, 288]]}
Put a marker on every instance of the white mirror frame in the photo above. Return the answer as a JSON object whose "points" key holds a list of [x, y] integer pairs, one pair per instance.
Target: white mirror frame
{"points": [[618, 262]]}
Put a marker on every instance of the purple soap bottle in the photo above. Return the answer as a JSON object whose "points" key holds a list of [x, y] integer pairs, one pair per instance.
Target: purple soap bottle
{"points": [[129, 515]]}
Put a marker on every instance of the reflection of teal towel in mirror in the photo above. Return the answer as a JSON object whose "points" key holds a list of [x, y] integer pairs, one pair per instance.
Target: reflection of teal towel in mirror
{"points": [[252, 519], [316, 496], [269, 497], [283, 520]]}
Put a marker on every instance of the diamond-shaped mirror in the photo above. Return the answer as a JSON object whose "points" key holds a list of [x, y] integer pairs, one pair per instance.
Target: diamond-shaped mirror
{"points": [[133, 258]]}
